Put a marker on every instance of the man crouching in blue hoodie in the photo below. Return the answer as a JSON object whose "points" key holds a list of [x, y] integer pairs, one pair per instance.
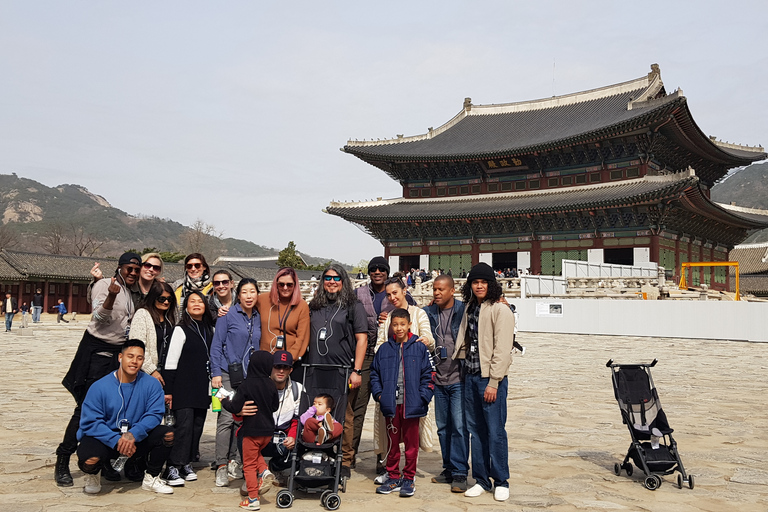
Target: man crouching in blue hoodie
{"points": [[402, 383], [120, 419]]}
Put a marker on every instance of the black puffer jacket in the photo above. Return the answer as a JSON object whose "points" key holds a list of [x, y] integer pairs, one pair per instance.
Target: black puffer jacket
{"points": [[259, 387]]}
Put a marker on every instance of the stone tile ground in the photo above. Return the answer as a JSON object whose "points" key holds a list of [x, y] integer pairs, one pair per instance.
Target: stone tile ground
{"points": [[564, 427]]}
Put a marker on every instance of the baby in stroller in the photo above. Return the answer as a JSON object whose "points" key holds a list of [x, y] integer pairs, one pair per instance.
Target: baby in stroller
{"points": [[319, 425]]}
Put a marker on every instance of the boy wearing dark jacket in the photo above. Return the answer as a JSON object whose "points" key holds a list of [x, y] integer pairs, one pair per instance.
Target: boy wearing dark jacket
{"points": [[401, 381], [257, 430]]}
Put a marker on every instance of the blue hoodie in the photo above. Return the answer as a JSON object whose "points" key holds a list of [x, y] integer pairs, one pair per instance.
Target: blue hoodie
{"points": [[142, 404], [417, 377]]}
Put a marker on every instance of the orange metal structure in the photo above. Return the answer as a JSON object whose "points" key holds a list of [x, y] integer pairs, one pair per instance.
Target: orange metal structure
{"points": [[686, 264]]}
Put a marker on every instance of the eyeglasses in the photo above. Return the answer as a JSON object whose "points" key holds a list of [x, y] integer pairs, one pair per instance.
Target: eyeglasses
{"points": [[224, 282], [332, 278], [285, 285], [132, 270], [147, 265], [378, 269], [163, 299], [190, 266]]}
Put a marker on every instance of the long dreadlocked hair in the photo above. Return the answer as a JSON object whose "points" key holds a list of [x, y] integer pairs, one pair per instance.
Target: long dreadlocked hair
{"points": [[346, 297]]}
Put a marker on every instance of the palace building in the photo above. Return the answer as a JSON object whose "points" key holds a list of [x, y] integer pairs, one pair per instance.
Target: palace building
{"points": [[619, 174]]}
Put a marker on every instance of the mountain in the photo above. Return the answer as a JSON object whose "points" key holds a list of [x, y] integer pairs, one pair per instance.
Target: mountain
{"points": [[749, 188], [68, 219]]}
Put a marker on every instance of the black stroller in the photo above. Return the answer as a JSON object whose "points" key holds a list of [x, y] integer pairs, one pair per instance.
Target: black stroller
{"points": [[317, 468], [653, 450]]}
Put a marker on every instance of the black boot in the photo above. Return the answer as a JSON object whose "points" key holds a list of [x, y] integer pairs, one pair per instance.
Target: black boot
{"points": [[61, 473]]}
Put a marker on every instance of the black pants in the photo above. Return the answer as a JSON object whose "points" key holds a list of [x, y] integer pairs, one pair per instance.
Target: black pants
{"points": [[154, 449], [360, 406], [189, 429], [100, 365]]}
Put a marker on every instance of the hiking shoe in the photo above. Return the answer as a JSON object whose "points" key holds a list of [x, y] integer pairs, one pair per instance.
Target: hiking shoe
{"points": [[234, 470], [459, 484], [381, 479], [267, 479], [222, 478], [407, 488], [250, 504], [187, 473], [92, 484], [391, 485], [172, 477], [155, 483], [443, 478], [61, 472]]}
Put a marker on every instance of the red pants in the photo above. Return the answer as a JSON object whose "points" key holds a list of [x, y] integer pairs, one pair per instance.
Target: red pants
{"points": [[253, 462], [312, 427], [400, 429]]}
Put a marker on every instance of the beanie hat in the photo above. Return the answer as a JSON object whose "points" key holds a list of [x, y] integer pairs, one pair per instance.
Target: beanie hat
{"points": [[378, 261], [129, 257], [481, 271]]}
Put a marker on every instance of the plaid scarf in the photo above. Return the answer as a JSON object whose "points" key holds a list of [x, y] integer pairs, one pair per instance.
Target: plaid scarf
{"points": [[472, 359]]}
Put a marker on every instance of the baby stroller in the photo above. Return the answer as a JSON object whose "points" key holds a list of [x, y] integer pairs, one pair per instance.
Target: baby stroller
{"points": [[653, 450], [317, 468]]}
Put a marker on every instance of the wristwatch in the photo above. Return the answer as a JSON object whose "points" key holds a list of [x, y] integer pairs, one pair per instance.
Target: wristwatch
{"points": [[358, 371]]}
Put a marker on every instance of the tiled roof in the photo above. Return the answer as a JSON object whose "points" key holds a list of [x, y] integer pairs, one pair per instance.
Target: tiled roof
{"points": [[634, 191], [8, 272], [754, 284], [752, 258], [56, 266]]}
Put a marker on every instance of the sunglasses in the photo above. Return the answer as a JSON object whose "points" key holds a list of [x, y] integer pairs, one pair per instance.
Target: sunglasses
{"points": [[332, 278], [285, 285], [163, 300], [156, 268], [222, 283], [190, 266], [378, 269], [132, 270]]}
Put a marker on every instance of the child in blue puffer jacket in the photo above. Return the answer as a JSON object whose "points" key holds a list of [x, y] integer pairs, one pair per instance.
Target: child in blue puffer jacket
{"points": [[402, 383]]}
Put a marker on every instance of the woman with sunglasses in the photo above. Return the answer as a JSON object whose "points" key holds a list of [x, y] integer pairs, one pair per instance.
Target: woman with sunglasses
{"points": [[222, 298], [153, 324], [197, 278], [187, 377], [151, 269], [284, 316]]}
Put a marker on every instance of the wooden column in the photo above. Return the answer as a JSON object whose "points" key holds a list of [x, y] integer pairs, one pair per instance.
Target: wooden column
{"points": [[535, 257], [45, 298], [69, 297]]}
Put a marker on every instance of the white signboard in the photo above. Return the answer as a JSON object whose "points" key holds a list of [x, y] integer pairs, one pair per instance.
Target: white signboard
{"points": [[549, 309]]}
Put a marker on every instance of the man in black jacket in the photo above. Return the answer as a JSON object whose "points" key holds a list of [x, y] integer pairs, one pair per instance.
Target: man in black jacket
{"points": [[10, 308]]}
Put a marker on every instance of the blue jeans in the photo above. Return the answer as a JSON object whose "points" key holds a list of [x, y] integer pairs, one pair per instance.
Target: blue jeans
{"points": [[8, 321], [451, 428], [36, 310], [486, 423]]}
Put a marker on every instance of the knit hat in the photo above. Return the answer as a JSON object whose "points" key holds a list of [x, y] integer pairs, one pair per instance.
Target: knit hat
{"points": [[128, 258], [481, 271], [378, 261]]}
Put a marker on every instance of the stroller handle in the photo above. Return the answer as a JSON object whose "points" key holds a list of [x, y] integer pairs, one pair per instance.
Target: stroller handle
{"points": [[611, 364]]}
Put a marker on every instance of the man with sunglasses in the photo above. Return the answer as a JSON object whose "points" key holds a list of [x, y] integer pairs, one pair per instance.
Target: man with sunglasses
{"points": [[96, 356]]}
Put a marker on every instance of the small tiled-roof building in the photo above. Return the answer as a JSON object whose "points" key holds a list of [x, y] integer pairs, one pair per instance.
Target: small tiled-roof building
{"points": [[620, 174], [753, 267]]}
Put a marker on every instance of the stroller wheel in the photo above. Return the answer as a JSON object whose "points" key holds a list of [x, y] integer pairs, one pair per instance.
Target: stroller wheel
{"points": [[629, 469], [333, 502], [617, 469], [344, 484], [680, 481], [324, 496], [690, 481], [284, 499], [652, 482]]}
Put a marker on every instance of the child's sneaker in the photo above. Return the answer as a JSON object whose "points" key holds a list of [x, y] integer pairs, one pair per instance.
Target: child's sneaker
{"points": [[250, 504], [407, 488], [267, 480], [328, 422], [321, 435], [391, 485]]}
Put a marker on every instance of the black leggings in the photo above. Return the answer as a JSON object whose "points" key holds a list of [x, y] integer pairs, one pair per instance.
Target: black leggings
{"points": [[189, 429], [155, 448]]}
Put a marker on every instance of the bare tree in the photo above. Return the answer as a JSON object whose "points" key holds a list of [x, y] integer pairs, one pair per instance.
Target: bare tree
{"points": [[8, 237], [83, 243], [203, 238], [55, 238]]}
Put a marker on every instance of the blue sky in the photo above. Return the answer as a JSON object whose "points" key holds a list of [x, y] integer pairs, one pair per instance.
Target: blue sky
{"points": [[234, 112]]}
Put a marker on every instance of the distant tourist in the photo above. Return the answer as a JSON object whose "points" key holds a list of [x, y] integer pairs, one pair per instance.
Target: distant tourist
{"points": [[37, 305], [10, 308], [96, 355], [61, 311], [24, 315]]}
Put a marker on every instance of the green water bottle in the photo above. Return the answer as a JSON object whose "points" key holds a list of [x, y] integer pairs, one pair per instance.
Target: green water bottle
{"points": [[215, 402]]}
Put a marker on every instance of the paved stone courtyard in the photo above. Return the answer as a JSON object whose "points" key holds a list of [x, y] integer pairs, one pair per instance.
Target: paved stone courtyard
{"points": [[564, 426]]}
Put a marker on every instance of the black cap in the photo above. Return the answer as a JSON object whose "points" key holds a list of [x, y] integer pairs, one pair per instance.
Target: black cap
{"points": [[378, 261], [282, 358], [481, 271], [129, 257]]}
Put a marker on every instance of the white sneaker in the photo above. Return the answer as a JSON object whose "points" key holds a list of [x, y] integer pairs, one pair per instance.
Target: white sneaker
{"points": [[379, 480], [474, 491], [501, 493], [267, 479], [222, 477], [92, 484], [154, 483], [234, 470]]}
